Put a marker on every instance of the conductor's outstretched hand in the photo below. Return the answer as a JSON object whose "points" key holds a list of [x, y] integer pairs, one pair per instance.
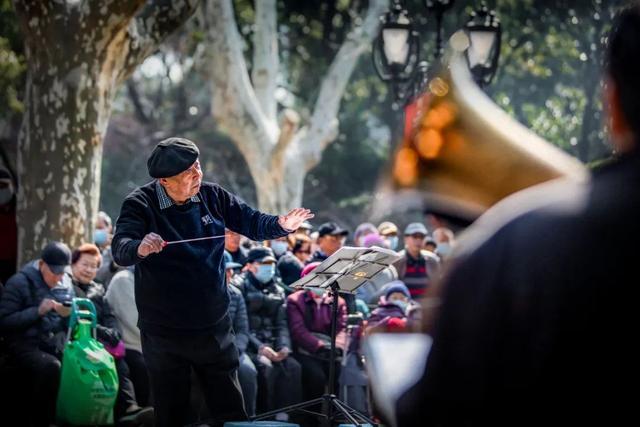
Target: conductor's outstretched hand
{"points": [[294, 219]]}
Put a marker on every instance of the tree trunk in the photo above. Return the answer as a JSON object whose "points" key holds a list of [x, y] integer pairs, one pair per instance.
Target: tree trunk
{"points": [[59, 156], [78, 53], [70, 83], [278, 189]]}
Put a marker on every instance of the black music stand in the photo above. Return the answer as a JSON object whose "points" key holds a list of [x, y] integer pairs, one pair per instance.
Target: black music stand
{"points": [[344, 271]]}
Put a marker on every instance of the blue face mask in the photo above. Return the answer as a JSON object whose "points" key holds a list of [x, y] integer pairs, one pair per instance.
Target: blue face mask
{"points": [[279, 247], [100, 237], [402, 304], [393, 242], [265, 273]]}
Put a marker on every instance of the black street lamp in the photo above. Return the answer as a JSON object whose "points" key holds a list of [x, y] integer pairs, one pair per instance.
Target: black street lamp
{"points": [[484, 32], [396, 50]]}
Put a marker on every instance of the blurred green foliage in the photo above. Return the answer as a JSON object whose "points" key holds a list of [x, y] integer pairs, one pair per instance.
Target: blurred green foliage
{"points": [[549, 78], [12, 62]]}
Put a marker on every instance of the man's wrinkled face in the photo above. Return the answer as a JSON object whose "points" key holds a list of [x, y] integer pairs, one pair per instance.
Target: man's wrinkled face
{"points": [[184, 185]]}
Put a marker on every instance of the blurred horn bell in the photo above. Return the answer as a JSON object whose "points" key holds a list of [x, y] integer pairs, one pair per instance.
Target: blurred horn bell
{"points": [[465, 154]]}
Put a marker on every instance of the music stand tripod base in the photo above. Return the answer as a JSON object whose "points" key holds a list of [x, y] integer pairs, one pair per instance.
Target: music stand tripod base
{"points": [[347, 269]]}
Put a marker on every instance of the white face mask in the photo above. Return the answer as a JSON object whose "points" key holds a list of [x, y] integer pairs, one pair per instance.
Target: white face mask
{"points": [[443, 249], [279, 247], [402, 304]]}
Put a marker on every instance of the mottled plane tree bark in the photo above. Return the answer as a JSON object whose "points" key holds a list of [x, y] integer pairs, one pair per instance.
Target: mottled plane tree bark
{"points": [[279, 149], [78, 54]]}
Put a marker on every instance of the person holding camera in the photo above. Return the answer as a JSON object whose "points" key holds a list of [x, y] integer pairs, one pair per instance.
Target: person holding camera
{"points": [[309, 315], [34, 308]]}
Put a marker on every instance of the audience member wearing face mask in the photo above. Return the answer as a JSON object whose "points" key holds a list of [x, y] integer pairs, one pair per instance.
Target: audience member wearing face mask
{"points": [[445, 241], [362, 231], [389, 232], [269, 347], [396, 311], [102, 238]]}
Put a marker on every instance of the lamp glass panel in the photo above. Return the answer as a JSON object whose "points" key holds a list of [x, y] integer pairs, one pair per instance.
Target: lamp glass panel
{"points": [[396, 46], [480, 48]]}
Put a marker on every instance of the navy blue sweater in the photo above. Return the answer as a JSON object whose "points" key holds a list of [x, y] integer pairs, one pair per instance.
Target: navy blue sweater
{"points": [[182, 288]]}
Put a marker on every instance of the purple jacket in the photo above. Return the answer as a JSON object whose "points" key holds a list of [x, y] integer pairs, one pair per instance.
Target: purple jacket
{"points": [[383, 312], [306, 316]]}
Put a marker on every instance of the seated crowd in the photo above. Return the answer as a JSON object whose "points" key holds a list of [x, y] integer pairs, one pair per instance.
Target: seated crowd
{"points": [[282, 334]]}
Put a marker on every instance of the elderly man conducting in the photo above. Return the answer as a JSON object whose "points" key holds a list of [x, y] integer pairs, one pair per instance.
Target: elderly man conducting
{"points": [[180, 289]]}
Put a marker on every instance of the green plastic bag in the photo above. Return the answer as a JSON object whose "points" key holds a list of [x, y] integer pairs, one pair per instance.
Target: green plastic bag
{"points": [[89, 380]]}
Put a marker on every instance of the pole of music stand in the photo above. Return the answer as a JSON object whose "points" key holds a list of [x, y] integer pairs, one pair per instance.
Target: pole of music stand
{"points": [[329, 401]]}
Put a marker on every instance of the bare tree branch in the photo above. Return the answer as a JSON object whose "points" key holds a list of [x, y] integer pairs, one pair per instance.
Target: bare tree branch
{"points": [[234, 103], [288, 128], [136, 100], [153, 24], [324, 124], [265, 57]]}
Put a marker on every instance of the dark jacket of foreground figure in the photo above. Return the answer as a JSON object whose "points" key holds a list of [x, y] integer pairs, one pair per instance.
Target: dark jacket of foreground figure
{"points": [[538, 323], [182, 289]]}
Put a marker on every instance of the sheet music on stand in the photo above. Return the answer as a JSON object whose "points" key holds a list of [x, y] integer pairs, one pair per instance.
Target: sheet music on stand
{"points": [[349, 267]]}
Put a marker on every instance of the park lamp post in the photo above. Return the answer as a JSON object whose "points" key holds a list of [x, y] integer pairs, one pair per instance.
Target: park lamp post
{"points": [[396, 51], [484, 33]]}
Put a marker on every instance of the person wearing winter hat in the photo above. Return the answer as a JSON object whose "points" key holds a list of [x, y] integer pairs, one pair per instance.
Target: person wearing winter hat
{"points": [[389, 232], [33, 322], [396, 311], [362, 231], [181, 294], [374, 239], [369, 292], [269, 344], [417, 268], [331, 237]]}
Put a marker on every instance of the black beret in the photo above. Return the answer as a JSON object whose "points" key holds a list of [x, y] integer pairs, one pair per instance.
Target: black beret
{"points": [[172, 156]]}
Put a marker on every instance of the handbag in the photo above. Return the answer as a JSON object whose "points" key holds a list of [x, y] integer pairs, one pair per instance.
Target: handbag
{"points": [[118, 351]]}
